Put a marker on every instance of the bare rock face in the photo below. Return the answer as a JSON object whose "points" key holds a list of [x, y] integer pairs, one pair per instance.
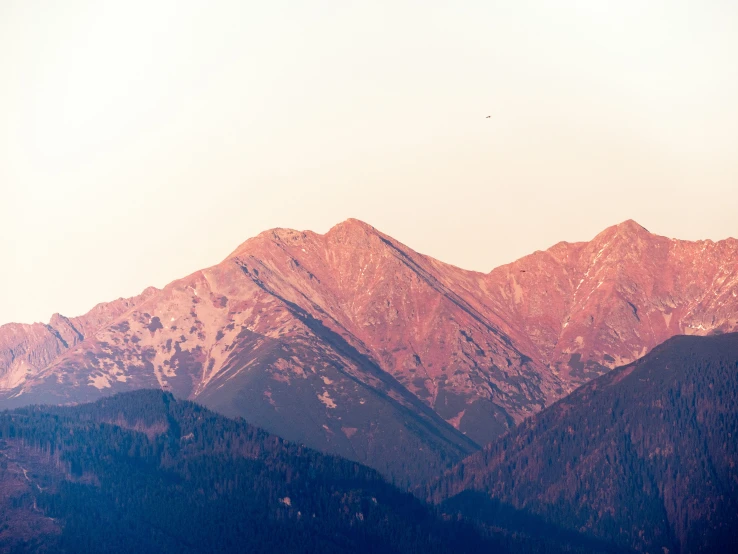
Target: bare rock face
{"points": [[593, 306], [355, 344], [65, 331], [25, 350], [408, 314]]}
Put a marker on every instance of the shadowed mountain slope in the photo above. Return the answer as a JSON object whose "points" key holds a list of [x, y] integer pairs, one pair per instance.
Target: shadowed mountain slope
{"points": [[144, 472], [644, 456]]}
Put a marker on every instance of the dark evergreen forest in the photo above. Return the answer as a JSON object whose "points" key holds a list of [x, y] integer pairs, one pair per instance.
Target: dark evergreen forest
{"points": [[144, 472], [643, 457]]}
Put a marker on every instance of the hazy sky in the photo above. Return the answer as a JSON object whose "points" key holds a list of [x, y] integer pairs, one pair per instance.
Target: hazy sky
{"points": [[140, 141]]}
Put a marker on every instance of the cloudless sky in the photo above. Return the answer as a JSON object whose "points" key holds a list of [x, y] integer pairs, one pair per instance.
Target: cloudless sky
{"points": [[143, 140]]}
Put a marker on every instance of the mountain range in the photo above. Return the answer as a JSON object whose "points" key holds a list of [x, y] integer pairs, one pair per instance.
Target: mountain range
{"points": [[354, 344]]}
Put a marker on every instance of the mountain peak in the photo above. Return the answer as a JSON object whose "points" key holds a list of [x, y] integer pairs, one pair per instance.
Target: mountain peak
{"points": [[630, 227], [353, 231], [628, 230], [352, 226]]}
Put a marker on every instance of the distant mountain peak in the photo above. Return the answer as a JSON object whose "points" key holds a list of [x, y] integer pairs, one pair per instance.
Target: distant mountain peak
{"points": [[353, 230], [628, 229], [353, 224], [350, 231], [631, 226]]}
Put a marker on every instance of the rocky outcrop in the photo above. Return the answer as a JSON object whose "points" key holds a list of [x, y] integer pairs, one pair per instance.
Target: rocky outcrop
{"points": [[25, 350]]}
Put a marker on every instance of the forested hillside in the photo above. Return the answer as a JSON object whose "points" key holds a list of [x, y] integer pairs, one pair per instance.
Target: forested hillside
{"points": [[143, 472], [644, 456]]}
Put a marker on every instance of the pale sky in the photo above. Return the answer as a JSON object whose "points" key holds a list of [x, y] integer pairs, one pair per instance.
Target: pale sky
{"points": [[141, 141]]}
